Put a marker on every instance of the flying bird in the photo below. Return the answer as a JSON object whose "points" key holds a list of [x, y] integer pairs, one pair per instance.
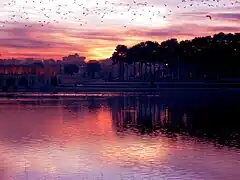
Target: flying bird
{"points": [[134, 7], [208, 16]]}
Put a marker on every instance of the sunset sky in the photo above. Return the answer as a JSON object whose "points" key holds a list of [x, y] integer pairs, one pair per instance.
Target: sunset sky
{"points": [[55, 28]]}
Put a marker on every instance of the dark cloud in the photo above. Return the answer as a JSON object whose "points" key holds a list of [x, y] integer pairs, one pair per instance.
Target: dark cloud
{"points": [[219, 16], [172, 32], [22, 43], [52, 41], [28, 43], [190, 30], [29, 54], [30, 38], [229, 16], [98, 36], [226, 29], [18, 36]]}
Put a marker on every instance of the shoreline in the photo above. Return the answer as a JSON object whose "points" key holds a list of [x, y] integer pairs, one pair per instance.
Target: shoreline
{"points": [[128, 87]]}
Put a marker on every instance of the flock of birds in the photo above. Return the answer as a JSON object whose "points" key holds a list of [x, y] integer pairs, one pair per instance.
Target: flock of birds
{"points": [[101, 9]]}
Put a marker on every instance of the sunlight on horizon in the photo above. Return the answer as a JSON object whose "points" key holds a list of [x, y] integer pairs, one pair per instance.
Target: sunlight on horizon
{"points": [[37, 29]]}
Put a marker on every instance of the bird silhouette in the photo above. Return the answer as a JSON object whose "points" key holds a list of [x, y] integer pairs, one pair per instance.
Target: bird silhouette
{"points": [[208, 16], [79, 11]]}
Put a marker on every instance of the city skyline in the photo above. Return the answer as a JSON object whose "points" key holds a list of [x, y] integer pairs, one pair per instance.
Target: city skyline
{"points": [[51, 29]]}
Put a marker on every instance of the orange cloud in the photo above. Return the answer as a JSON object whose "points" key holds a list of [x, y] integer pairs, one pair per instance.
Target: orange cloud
{"points": [[55, 42]]}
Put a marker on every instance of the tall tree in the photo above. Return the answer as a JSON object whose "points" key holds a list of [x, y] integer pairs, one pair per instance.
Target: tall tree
{"points": [[213, 57], [119, 56], [93, 67], [71, 69]]}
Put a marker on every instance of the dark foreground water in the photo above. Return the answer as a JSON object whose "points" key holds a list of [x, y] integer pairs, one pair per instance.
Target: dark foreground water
{"points": [[175, 135]]}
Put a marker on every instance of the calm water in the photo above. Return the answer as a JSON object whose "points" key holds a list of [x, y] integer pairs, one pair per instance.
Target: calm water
{"points": [[176, 135]]}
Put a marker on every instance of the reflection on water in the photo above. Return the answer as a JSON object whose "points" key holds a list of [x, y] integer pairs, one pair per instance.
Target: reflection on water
{"points": [[213, 121], [184, 135]]}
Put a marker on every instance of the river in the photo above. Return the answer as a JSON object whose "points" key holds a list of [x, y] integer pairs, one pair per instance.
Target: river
{"points": [[173, 135]]}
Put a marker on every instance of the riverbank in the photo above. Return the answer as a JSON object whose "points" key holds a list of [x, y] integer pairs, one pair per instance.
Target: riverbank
{"points": [[129, 87]]}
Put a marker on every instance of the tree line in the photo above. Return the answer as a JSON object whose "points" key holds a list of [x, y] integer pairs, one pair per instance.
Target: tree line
{"points": [[212, 57]]}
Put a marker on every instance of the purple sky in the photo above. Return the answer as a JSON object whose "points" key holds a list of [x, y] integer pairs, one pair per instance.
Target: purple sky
{"points": [[93, 28]]}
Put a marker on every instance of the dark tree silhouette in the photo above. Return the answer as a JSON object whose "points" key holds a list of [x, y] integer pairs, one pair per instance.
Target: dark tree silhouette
{"points": [[211, 57], [23, 82], [71, 69], [54, 81], [1, 81], [10, 82], [93, 67], [120, 56]]}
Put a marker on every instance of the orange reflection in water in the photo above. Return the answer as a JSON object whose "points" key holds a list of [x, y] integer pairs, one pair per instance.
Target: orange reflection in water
{"points": [[79, 137], [53, 139], [136, 150]]}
